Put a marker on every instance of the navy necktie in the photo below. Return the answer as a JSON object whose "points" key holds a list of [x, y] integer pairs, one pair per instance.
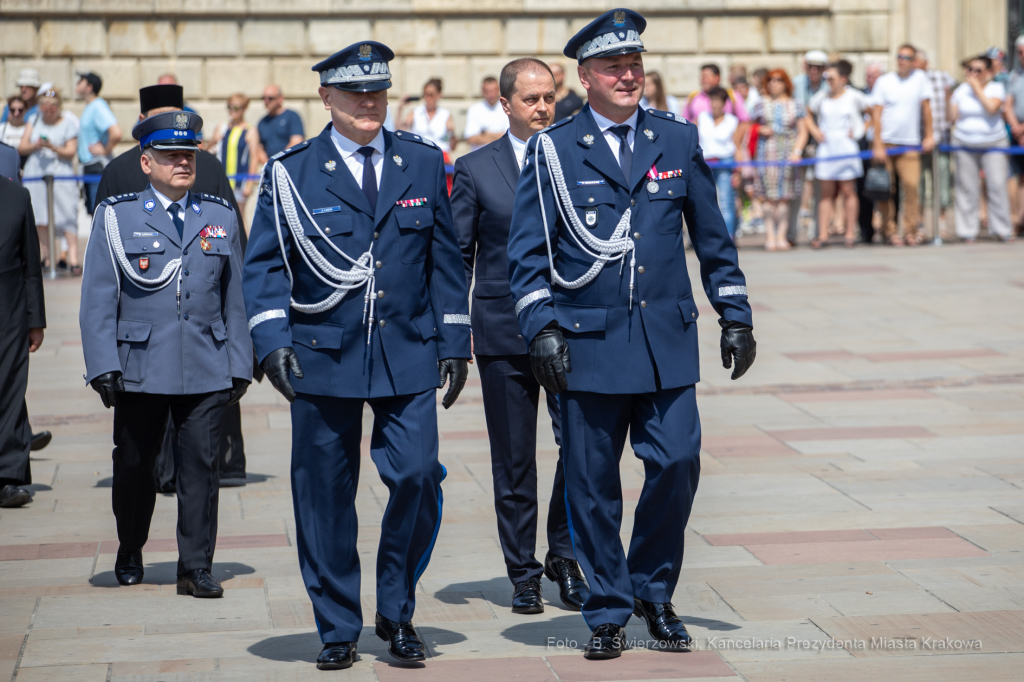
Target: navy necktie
{"points": [[369, 177], [625, 153], [179, 224]]}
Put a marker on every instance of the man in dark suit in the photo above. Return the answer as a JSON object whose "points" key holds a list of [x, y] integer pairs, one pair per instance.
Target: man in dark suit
{"points": [[483, 194], [124, 175]]}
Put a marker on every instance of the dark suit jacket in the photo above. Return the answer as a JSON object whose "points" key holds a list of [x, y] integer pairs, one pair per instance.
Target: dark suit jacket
{"points": [[10, 163], [483, 193]]}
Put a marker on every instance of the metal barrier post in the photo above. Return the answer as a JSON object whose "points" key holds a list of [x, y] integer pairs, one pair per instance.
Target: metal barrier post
{"points": [[936, 197], [51, 230]]}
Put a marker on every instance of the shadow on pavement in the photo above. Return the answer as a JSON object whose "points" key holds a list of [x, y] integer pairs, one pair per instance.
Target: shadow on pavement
{"points": [[301, 647]]}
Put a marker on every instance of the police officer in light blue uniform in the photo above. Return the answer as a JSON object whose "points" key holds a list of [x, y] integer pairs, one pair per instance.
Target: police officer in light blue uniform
{"points": [[599, 274], [355, 293], [164, 330]]}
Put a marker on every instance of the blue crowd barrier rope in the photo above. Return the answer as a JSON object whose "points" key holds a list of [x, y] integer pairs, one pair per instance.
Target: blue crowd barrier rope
{"points": [[891, 151]]}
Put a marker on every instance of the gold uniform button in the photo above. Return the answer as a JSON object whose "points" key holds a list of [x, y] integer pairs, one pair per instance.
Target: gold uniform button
{"points": [[383, 323], [640, 269], [643, 304], [379, 264], [380, 294], [576, 326]]}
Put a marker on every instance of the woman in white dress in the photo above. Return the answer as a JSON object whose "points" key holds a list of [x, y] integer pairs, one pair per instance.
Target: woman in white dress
{"points": [[837, 124], [51, 142], [430, 121]]}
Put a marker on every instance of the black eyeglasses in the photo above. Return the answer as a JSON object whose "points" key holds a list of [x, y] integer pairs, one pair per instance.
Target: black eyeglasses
{"points": [[905, 58], [16, 112], [975, 70]]}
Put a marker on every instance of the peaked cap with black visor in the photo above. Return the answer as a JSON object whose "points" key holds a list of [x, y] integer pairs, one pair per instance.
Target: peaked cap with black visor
{"points": [[360, 67], [613, 33], [169, 130]]}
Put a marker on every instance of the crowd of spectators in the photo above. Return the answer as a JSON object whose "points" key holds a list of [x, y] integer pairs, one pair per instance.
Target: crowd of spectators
{"points": [[788, 152]]}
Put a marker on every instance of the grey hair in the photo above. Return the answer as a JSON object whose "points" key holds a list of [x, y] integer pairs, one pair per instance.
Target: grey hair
{"points": [[510, 74]]}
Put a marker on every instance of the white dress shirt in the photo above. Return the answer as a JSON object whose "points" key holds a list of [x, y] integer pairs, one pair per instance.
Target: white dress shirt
{"points": [[350, 155], [518, 148], [166, 201], [605, 124], [484, 118]]}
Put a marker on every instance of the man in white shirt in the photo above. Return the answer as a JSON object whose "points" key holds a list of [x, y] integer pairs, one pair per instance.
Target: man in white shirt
{"points": [[486, 121], [900, 108]]}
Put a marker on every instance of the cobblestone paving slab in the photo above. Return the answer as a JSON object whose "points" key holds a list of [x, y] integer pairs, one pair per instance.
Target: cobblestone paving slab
{"points": [[863, 484]]}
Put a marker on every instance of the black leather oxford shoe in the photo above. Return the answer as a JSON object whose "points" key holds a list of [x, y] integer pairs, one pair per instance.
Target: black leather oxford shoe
{"points": [[337, 656], [403, 643], [41, 440], [663, 624], [199, 583], [572, 586], [526, 597], [128, 567], [14, 496], [606, 641]]}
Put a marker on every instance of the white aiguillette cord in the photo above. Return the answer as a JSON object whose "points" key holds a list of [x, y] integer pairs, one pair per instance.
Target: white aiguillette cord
{"points": [[118, 257], [604, 252], [362, 271]]}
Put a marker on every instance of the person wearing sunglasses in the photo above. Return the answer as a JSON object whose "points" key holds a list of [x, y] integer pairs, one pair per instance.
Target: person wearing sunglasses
{"points": [[280, 129], [976, 109], [232, 143]]}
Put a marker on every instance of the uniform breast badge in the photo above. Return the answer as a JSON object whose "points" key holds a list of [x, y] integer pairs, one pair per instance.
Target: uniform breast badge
{"points": [[149, 205], [144, 263], [589, 139], [411, 203], [195, 207], [397, 159], [591, 217], [211, 232], [331, 165], [649, 134]]}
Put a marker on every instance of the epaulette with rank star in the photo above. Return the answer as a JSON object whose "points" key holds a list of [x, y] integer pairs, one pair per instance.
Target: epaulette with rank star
{"points": [[118, 198], [668, 115], [413, 137], [288, 152], [212, 197]]}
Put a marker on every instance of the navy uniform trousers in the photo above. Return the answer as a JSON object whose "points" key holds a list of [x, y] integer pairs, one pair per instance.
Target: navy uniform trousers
{"points": [[511, 396], [326, 434]]}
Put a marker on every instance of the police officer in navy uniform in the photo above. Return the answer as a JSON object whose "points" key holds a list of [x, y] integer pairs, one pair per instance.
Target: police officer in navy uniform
{"points": [[164, 329], [355, 293], [599, 275], [483, 194]]}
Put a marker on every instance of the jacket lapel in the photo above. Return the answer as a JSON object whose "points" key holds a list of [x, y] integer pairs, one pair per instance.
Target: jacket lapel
{"points": [[505, 158], [159, 219], [393, 180], [340, 182], [194, 220], [645, 151], [597, 153]]}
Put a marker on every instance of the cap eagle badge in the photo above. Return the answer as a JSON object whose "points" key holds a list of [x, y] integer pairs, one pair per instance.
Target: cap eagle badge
{"points": [[620, 18], [365, 53], [181, 122]]}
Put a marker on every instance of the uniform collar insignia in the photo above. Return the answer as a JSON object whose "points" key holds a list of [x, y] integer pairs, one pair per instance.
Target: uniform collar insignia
{"points": [[589, 139], [649, 134], [149, 205], [398, 159], [331, 165], [195, 207]]}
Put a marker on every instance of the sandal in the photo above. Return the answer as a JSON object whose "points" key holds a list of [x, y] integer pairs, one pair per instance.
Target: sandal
{"points": [[818, 243], [76, 270], [783, 246], [848, 244], [896, 240]]}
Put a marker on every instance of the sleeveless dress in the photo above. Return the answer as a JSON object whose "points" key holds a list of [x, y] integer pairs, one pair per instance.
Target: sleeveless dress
{"points": [[841, 119], [434, 129], [777, 183], [46, 162]]}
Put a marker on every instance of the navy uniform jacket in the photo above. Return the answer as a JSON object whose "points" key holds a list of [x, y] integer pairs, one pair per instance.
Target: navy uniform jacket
{"points": [[614, 349], [483, 192], [142, 335], [421, 295]]}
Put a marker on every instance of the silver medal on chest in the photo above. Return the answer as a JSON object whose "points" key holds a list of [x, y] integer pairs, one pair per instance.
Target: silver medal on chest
{"points": [[652, 187]]}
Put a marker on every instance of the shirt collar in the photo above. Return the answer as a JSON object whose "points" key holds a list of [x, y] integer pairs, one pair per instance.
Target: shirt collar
{"points": [[605, 123], [347, 147], [166, 201], [518, 148]]}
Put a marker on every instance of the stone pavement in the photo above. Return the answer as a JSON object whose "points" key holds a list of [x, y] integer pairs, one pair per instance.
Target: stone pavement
{"points": [[859, 516]]}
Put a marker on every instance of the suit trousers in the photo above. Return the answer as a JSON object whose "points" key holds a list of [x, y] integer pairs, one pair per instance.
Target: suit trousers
{"points": [[232, 450], [664, 431], [511, 395], [139, 422], [326, 436]]}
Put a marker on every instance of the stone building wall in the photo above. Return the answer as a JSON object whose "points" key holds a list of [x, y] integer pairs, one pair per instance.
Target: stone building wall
{"points": [[217, 47]]}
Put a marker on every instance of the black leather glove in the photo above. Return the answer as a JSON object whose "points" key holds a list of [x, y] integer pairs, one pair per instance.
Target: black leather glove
{"points": [[238, 389], [276, 366], [108, 386], [549, 359], [458, 370], [737, 342]]}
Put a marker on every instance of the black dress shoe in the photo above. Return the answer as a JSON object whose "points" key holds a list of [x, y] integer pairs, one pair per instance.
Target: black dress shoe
{"points": [[232, 482], [337, 656], [14, 496], [41, 440], [606, 641], [526, 597], [199, 583], [663, 624], [572, 586], [403, 643], [128, 567]]}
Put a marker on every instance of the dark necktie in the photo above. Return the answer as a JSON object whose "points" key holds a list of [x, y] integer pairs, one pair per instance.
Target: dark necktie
{"points": [[179, 224], [369, 177], [625, 153]]}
